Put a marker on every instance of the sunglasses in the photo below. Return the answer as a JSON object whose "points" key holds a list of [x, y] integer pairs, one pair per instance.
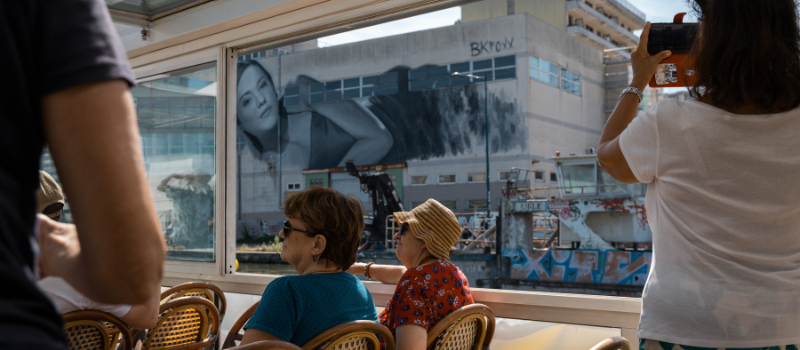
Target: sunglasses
{"points": [[403, 229], [287, 229]]}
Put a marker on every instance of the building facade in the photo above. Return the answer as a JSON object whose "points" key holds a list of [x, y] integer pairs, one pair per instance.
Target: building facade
{"points": [[393, 105]]}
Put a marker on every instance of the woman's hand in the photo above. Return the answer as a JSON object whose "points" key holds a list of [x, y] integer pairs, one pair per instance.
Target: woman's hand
{"points": [[644, 65]]}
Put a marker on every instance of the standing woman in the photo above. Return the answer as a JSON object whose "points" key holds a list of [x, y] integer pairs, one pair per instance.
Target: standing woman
{"points": [[723, 195], [429, 286]]}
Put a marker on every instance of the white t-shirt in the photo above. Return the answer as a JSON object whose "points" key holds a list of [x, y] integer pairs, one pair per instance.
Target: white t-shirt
{"points": [[723, 202], [67, 299]]}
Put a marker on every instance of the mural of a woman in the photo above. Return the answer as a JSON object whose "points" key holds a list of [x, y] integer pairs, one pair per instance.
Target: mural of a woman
{"points": [[323, 136]]}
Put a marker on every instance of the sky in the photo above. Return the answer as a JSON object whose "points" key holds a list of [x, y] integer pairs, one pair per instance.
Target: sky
{"points": [[655, 11]]}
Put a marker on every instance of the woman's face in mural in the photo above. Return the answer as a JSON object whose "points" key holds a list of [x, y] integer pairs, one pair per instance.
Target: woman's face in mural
{"points": [[257, 106]]}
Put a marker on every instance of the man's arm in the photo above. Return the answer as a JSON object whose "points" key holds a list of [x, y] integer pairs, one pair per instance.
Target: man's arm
{"points": [[144, 316], [94, 139], [389, 274]]}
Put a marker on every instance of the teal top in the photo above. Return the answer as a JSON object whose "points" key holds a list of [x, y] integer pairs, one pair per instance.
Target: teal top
{"points": [[297, 308]]}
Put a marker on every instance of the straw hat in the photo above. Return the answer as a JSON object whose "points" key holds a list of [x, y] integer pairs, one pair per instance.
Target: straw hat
{"points": [[49, 193], [434, 224]]}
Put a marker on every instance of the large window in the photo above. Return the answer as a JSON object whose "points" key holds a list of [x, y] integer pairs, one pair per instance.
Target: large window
{"points": [[176, 117], [579, 178], [543, 71], [434, 77]]}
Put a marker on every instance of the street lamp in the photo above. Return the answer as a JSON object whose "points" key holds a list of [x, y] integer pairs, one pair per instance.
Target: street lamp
{"points": [[486, 121]]}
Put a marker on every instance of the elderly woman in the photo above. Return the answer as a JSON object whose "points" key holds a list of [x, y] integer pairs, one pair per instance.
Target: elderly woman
{"points": [[722, 192], [429, 286], [320, 239]]}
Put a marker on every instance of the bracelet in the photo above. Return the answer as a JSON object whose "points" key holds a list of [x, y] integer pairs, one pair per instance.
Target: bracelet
{"points": [[366, 270]]}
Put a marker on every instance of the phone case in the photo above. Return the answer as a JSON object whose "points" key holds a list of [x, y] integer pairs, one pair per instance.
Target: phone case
{"points": [[674, 71]]}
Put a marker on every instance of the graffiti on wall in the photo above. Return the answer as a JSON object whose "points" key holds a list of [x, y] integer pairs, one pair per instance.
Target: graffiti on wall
{"points": [[583, 266], [490, 46], [572, 213]]}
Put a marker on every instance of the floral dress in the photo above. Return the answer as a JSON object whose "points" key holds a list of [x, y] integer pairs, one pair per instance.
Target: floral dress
{"points": [[425, 295]]}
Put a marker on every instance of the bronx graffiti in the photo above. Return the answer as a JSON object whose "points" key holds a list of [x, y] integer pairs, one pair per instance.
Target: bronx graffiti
{"points": [[489, 46]]}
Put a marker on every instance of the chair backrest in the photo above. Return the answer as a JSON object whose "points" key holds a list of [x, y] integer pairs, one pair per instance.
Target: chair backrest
{"points": [[468, 328], [197, 289], [615, 343], [185, 322], [236, 333], [88, 330], [268, 345], [355, 335]]}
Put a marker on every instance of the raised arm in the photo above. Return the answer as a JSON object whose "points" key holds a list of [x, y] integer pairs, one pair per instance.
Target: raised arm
{"points": [[388, 274], [94, 139], [609, 153]]}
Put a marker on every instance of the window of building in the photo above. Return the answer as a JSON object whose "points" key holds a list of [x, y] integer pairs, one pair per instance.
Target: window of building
{"points": [[589, 28], [543, 71], [447, 179], [433, 77], [316, 92], [291, 96], [476, 177], [476, 204], [538, 175], [570, 81], [419, 180], [579, 178], [505, 67], [293, 186], [553, 177], [502, 175], [352, 88], [333, 90]]}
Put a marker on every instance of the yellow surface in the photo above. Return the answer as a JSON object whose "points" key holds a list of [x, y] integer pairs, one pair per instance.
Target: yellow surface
{"points": [[531, 335]]}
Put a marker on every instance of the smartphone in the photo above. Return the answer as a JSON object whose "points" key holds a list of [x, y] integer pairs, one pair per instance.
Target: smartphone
{"points": [[676, 37], [677, 70]]}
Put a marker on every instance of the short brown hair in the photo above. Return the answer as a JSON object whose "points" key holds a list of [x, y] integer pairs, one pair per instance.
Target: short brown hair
{"points": [[337, 217], [747, 53]]}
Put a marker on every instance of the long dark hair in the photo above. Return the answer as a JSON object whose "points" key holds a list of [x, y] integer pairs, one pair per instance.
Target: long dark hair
{"points": [[241, 67], [747, 53]]}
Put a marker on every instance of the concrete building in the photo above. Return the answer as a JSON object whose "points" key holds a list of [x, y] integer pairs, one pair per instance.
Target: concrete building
{"points": [[607, 25], [397, 97]]}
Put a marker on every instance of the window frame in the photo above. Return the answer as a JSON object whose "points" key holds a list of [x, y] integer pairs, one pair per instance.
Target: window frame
{"points": [[469, 176], [411, 180], [439, 179], [224, 143]]}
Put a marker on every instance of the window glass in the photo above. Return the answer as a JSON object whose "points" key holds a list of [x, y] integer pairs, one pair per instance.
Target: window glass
{"points": [[353, 82], [505, 73], [579, 178], [419, 180], [543, 71], [553, 177], [476, 204], [459, 67], [479, 65], [504, 61], [179, 156], [476, 177], [539, 175], [570, 82], [503, 176], [447, 179]]}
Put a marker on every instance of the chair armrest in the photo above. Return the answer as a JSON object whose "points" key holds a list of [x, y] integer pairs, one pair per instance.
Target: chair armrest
{"points": [[615, 343]]}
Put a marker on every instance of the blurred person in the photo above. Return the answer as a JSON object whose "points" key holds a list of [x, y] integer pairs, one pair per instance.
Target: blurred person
{"points": [[68, 81], [429, 286], [50, 200], [721, 170], [320, 240]]}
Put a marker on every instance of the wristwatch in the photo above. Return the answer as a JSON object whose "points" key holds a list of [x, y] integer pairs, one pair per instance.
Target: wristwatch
{"points": [[631, 90]]}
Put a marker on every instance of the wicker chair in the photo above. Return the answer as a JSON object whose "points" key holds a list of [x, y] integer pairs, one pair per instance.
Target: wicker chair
{"points": [[89, 330], [355, 335], [185, 323], [197, 289], [615, 343], [468, 328], [268, 345], [236, 333]]}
